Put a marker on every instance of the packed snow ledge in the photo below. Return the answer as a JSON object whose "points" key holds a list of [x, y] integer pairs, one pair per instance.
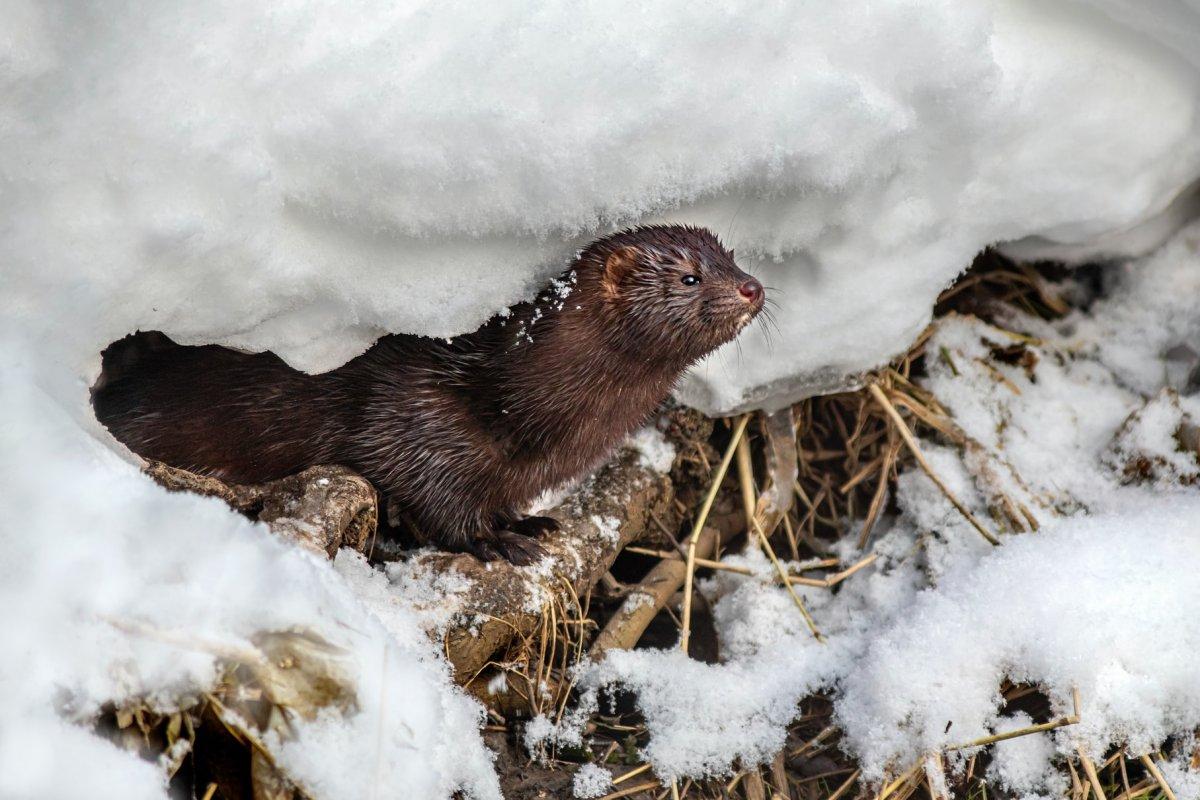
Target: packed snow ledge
{"points": [[304, 180]]}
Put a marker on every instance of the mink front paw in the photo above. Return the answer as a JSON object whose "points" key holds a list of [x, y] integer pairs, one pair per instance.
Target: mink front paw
{"points": [[533, 526], [516, 548]]}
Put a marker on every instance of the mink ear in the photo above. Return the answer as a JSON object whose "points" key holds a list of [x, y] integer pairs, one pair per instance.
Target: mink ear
{"points": [[619, 263]]}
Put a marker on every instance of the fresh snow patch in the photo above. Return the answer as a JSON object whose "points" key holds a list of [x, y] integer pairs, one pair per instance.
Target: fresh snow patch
{"points": [[1019, 764], [1087, 604], [653, 449], [123, 592], [608, 527], [592, 780]]}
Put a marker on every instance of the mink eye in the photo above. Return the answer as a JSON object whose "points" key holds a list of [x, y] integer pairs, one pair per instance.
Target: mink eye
{"points": [[690, 280]]}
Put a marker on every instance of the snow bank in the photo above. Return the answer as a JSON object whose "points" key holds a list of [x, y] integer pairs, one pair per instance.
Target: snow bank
{"points": [[1101, 603], [303, 177], [116, 591]]}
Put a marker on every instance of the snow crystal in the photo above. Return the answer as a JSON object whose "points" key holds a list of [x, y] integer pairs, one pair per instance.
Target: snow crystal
{"points": [[653, 449], [591, 780], [405, 591], [608, 527], [1019, 764], [498, 684], [636, 600], [1180, 775], [542, 733]]}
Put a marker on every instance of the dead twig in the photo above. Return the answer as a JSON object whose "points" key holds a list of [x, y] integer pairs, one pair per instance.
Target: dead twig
{"points": [[1073, 719], [914, 448], [641, 787], [1089, 769], [841, 791], [644, 601], [1152, 768], [698, 527]]}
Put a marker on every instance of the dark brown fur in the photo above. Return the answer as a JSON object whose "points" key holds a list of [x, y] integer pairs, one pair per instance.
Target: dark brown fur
{"points": [[461, 435]]}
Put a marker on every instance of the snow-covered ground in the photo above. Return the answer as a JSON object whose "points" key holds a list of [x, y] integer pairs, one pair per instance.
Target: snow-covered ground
{"points": [[303, 177]]}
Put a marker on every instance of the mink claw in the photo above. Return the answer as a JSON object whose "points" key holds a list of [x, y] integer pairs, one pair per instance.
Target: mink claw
{"points": [[519, 549], [484, 548]]}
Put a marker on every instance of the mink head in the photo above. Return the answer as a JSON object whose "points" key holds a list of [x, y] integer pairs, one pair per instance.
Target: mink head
{"points": [[671, 292]]}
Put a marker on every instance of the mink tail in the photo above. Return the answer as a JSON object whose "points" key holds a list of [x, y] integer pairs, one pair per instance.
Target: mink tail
{"points": [[207, 409]]}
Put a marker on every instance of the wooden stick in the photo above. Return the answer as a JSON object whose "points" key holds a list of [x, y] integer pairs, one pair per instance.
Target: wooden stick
{"points": [[837, 578], [1077, 788], [641, 787], [667, 555], [1152, 768], [633, 773], [746, 481], [753, 786], [816, 740], [915, 449], [701, 518], [1000, 737], [783, 576], [1090, 770], [839, 792], [779, 780], [1143, 786], [896, 784], [877, 499], [644, 601], [935, 766]]}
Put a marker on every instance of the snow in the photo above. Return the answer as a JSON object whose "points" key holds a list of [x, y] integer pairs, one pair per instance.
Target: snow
{"points": [[1151, 442], [542, 733], [1020, 764], [1087, 604], [592, 780], [118, 591], [653, 449], [304, 177]]}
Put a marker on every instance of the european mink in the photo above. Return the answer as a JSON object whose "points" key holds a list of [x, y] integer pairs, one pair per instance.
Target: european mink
{"points": [[460, 434]]}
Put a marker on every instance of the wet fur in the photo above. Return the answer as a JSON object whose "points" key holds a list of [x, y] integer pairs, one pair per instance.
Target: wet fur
{"points": [[460, 435]]}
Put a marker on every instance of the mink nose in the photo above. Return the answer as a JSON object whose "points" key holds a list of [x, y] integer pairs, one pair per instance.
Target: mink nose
{"points": [[751, 290]]}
